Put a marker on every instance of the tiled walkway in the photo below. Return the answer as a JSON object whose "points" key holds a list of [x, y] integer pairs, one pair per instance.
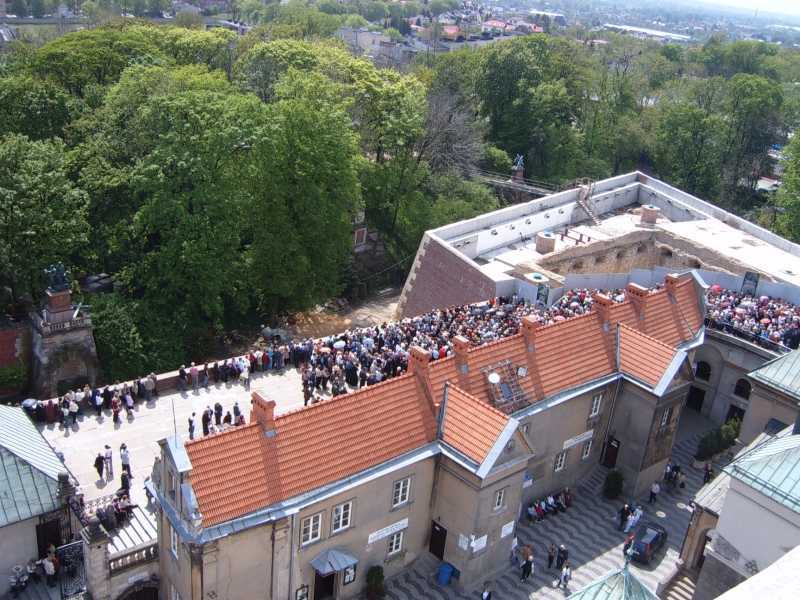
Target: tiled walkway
{"points": [[588, 529]]}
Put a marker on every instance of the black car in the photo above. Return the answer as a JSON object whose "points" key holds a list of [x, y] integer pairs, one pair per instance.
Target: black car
{"points": [[648, 540]]}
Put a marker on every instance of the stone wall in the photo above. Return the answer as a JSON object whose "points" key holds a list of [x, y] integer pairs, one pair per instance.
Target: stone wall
{"points": [[715, 579]]}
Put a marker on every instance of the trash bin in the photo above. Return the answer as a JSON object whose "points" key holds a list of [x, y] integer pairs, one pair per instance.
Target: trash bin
{"points": [[445, 573]]}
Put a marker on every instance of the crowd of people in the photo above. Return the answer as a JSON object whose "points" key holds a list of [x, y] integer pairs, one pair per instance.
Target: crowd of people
{"points": [[759, 317]]}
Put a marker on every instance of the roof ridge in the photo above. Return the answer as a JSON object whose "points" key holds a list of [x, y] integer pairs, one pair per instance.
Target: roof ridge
{"points": [[492, 343], [219, 434], [649, 337], [342, 397], [571, 319], [478, 400]]}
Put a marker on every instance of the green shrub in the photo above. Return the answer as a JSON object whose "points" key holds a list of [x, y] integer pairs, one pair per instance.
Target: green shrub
{"points": [[612, 486], [717, 440], [375, 590], [12, 376]]}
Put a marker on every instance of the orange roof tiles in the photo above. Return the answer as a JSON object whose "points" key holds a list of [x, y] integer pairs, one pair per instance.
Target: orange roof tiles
{"points": [[642, 356], [244, 469], [471, 426]]}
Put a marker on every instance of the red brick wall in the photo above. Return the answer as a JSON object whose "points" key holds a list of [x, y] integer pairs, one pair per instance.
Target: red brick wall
{"points": [[12, 344], [442, 278]]}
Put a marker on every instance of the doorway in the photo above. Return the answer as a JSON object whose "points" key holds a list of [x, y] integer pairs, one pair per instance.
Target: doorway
{"points": [[610, 454], [734, 412], [695, 398], [48, 533], [438, 540], [324, 586]]}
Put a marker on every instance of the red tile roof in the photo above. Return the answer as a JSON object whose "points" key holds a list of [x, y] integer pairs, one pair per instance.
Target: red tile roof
{"points": [[244, 469], [643, 357], [470, 425]]}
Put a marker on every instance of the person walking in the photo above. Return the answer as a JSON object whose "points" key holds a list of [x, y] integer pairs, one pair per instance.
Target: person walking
{"points": [[191, 427], [627, 546], [551, 556], [108, 457], [654, 491], [561, 556], [566, 575], [99, 462], [97, 399], [624, 512], [125, 459], [486, 594], [527, 568]]}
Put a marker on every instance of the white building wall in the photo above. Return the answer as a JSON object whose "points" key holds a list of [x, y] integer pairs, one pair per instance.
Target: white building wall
{"points": [[757, 526]]}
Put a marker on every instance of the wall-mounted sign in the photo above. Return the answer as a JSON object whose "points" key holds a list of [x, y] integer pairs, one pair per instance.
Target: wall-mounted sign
{"points": [[349, 575], [507, 529], [479, 543], [463, 541], [387, 531], [578, 439]]}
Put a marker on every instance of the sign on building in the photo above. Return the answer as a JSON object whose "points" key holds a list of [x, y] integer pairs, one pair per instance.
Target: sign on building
{"points": [[578, 439], [387, 531]]}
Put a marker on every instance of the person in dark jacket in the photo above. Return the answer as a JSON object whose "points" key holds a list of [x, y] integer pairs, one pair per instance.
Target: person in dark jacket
{"points": [[561, 556], [99, 463], [527, 567], [551, 555]]}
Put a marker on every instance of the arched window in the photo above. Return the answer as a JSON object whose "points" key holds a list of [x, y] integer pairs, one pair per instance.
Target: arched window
{"points": [[742, 389], [703, 371]]}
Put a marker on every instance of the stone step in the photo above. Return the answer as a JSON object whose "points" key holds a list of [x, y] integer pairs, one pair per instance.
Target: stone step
{"points": [[681, 588]]}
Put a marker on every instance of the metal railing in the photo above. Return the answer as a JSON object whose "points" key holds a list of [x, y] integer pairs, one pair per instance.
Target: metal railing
{"points": [[133, 558], [49, 328], [746, 336]]}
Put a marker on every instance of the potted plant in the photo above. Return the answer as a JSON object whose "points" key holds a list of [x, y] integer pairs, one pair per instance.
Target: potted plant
{"points": [[375, 589], [612, 486]]}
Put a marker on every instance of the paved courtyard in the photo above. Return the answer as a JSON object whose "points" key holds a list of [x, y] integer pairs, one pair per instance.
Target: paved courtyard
{"points": [[153, 421], [589, 531]]}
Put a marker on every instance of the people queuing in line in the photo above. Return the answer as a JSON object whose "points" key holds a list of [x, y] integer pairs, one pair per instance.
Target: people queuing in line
{"points": [[772, 319]]}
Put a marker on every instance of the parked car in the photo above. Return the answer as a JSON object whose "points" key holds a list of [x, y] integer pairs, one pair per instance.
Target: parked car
{"points": [[648, 541]]}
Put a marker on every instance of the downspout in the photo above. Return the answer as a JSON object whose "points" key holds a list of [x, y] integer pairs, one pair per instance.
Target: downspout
{"points": [[272, 564], [291, 560], [614, 398]]}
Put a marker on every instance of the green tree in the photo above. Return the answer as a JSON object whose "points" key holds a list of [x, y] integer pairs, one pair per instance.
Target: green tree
{"points": [[32, 107], [42, 213], [789, 193], [37, 8], [120, 345], [18, 8], [259, 69]]}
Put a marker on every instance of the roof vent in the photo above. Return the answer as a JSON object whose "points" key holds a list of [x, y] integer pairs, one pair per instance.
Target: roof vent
{"points": [[650, 214]]}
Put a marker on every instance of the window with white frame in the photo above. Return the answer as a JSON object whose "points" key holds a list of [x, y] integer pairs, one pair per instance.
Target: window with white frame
{"points": [[311, 529], [499, 499], [401, 491], [561, 459], [587, 449], [395, 543], [173, 540], [341, 516], [597, 401]]}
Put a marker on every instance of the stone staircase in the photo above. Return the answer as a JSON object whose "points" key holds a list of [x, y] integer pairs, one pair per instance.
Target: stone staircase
{"points": [[592, 484], [584, 195], [681, 587]]}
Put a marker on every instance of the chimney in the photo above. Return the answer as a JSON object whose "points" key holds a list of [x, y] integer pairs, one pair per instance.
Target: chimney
{"points": [[461, 347], [263, 412], [418, 361], [650, 214], [601, 304], [529, 325], [637, 295], [545, 242], [671, 283]]}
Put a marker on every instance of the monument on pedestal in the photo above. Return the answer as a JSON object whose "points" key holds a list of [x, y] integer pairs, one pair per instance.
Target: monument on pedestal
{"points": [[64, 352]]}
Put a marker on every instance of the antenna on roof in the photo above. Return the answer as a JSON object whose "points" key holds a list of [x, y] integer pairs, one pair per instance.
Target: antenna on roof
{"points": [[494, 378]]}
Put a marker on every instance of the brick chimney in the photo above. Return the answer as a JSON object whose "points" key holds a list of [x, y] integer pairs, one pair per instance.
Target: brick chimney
{"points": [[637, 295], [601, 304], [671, 283], [263, 411], [461, 347], [528, 326]]}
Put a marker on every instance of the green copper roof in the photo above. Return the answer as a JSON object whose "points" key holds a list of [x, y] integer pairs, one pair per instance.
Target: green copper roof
{"points": [[617, 585], [782, 373], [772, 468]]}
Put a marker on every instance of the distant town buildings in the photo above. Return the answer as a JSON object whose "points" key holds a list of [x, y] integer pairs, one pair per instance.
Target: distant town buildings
{"points": [[645, 33]]}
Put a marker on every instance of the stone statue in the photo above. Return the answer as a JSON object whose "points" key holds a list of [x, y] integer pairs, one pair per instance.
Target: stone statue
{"points": [[57, 278]]}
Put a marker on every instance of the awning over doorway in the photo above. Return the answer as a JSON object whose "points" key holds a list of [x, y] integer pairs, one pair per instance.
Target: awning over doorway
{"points": [[332, 561]]}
